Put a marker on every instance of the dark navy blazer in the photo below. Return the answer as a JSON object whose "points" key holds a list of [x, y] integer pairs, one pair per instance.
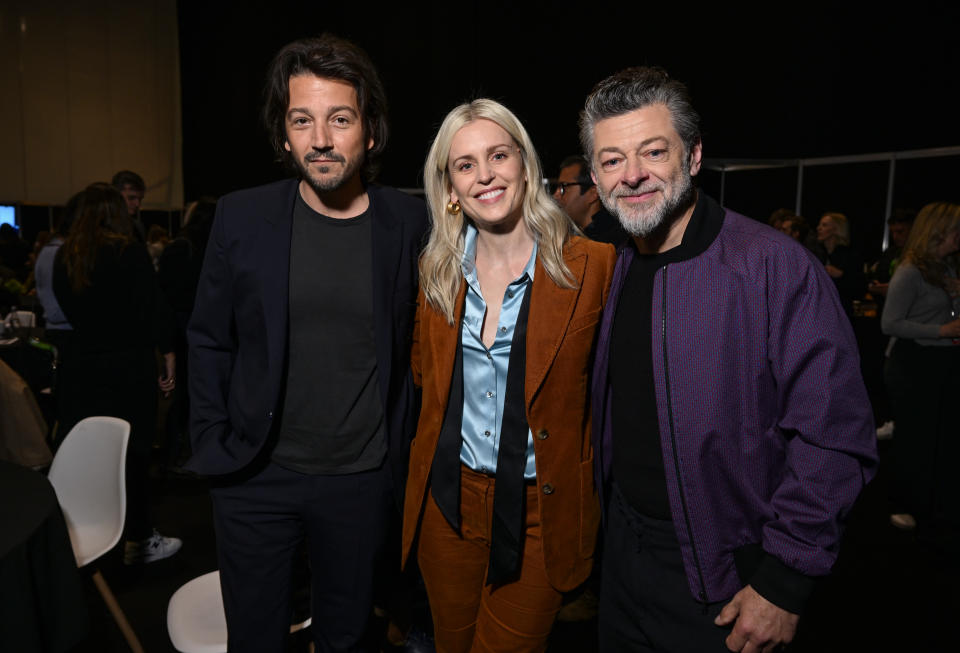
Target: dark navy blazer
{"points": [[238, 344]]}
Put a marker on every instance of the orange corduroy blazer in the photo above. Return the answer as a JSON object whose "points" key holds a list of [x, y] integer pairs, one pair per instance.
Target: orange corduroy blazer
{"points": [[561, 334]]}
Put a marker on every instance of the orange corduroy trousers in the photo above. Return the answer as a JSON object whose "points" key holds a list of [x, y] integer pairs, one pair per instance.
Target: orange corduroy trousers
{"points": [[469, 615]]}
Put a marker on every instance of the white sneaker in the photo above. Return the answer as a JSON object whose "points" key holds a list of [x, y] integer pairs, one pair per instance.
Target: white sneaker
{"points": [[885, 432], [156, 547], [904, 521]]}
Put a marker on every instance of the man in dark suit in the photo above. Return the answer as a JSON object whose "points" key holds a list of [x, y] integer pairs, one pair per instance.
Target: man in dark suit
{"points": [[302, 403]]}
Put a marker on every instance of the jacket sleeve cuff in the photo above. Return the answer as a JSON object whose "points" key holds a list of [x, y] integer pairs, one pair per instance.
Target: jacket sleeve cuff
{"points": [[786, 588]]}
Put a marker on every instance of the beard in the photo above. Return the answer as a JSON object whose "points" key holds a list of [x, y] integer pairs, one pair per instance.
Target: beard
{"points": [[319, 178], [640, 221]]}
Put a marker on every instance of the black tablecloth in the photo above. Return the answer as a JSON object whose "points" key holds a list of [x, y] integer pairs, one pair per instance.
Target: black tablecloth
{"points": [[42, 601]]}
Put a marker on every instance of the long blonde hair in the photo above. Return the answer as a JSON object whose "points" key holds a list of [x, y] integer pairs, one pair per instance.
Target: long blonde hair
{"points": [[934, 223], [440, 274], [839, 220]]}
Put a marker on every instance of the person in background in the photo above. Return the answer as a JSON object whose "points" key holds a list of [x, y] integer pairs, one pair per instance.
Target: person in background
{"points": [[778, 216], [576, 194], [923, 375], [157, 239], [57, 329], [795, 227], [500, 509], [106, 286], [841, 261], [43, 237], [881, 271], [133, 189], [879, 274], [14, 252], [178, 272]]}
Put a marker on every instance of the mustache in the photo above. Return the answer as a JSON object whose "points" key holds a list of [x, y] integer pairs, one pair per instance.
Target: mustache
{"points": [[329, 155], [629, 192]]}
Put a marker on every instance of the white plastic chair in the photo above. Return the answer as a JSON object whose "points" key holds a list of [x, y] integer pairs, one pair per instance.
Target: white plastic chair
{"points": [[88, 474], [195, 618], [26, 319]]}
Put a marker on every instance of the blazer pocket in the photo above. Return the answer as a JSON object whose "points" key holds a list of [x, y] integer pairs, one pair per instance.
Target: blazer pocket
{"points": [[584, 321]]}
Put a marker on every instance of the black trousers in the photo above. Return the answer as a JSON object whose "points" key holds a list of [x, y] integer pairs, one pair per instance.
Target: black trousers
{"points": [[121, 383], [645, 600], [924, 383], [261, 523]]}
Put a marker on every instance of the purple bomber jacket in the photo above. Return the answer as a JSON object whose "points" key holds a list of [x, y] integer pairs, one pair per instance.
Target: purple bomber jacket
{"points": [[765, 425]]}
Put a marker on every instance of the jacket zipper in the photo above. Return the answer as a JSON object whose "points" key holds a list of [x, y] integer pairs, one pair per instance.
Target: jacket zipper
{"points": [[673, 441]]}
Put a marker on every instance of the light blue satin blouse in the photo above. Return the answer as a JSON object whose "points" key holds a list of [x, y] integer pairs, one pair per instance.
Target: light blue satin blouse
{"points": [[485, 371]]}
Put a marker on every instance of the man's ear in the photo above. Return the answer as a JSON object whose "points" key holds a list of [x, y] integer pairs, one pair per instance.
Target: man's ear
{"points": [[696, 158]]}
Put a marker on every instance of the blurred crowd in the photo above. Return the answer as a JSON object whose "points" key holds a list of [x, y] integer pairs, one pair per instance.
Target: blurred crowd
{"points": [[111, 298]]}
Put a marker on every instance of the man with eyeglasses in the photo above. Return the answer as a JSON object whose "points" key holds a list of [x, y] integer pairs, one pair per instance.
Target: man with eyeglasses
{"points": [[576, 193]]}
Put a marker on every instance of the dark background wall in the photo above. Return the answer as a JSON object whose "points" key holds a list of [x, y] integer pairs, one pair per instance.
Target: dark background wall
{"points": [[796, 80]]}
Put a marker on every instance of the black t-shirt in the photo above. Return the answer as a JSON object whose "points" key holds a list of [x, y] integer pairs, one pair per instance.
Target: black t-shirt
{"points": [[638, 466], [332, 418], [638, 456]]}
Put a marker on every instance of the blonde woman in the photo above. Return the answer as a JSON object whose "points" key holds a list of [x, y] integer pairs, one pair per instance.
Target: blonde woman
{"points": [[842, 262], [923, 372], [500, 502]]}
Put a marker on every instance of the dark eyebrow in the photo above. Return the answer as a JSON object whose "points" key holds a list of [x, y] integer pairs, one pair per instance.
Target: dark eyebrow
{"points": [[615, 150], [293, 110], [333, 110], [342, 107], [644, 143], [650, 140]]}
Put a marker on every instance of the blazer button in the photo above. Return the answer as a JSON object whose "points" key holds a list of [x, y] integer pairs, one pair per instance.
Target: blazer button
{"points": [[547, 488], [270, 415], [542, 434]]}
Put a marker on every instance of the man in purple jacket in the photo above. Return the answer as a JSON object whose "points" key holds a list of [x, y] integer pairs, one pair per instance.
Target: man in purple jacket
{"points": [[732, 432]]}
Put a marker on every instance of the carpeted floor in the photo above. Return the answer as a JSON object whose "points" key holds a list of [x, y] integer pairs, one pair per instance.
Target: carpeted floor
{"points": [[889, 591]]}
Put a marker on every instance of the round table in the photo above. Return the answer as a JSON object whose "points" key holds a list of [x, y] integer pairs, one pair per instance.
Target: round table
{"points": [[42, 600]]}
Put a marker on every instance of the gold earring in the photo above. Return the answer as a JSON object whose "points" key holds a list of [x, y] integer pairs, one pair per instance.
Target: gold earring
{"points": [[453, 208]]}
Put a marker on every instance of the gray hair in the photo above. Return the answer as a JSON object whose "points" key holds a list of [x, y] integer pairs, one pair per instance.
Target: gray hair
{"points": [[636, 88]]}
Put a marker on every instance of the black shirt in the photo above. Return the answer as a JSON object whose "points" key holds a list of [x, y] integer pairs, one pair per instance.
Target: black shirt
{"points": [[332, 420], [638, 457]]}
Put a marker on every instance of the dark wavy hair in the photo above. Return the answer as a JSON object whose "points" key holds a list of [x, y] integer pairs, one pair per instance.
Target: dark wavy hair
{"points": [[101, 219], [331, 57], [128, 178]]}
